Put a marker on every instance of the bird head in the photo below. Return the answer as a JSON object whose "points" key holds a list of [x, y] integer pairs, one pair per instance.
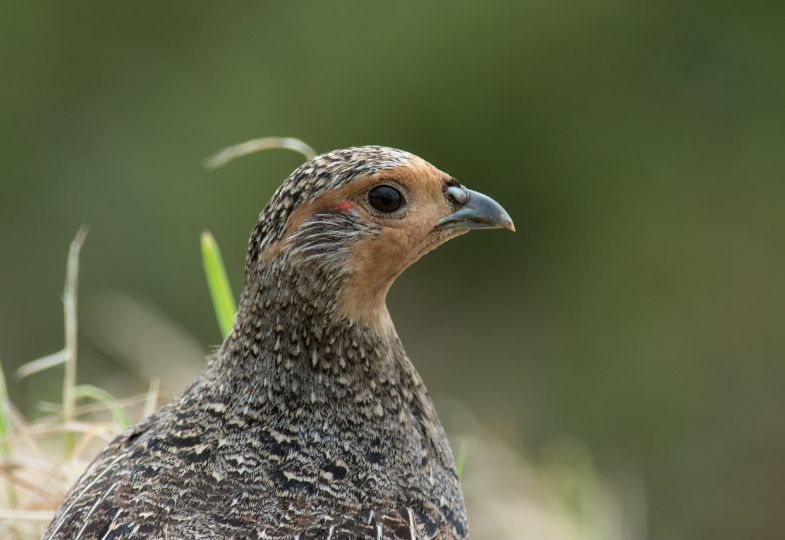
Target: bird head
{"points": [[348, 222]]}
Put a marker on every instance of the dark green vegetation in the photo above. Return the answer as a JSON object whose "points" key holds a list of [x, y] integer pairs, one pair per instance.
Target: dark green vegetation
{"points": [[639, 149]]}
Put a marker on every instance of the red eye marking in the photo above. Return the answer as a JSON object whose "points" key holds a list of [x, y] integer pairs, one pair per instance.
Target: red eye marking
{"points": [[344, 205]]}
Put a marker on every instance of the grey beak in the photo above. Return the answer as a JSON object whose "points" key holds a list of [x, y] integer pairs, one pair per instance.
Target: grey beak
{"points": [[478, 212]]}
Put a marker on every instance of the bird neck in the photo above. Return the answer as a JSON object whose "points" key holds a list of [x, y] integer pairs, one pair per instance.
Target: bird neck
{"points": [[291, 326], [293, 355]]}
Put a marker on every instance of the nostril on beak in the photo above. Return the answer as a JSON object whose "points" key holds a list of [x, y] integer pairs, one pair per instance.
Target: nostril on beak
{"points": [[458, 194]]}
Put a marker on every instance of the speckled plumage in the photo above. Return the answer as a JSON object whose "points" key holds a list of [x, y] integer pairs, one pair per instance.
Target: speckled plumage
{"points": [[306, 423]]}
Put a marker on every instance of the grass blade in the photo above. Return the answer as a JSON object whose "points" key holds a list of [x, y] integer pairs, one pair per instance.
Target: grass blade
{"points": [[460, 459], [70, 294], [220, 290], [258, 145], [88, 391], [40, 364], [5, 437], [151, 397]]}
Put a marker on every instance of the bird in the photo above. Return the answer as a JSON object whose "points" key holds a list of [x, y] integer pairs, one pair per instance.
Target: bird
{"points": [[310, 420]]}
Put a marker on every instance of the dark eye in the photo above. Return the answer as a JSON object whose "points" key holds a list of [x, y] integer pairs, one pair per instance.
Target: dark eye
{"points": [[385, 199]]}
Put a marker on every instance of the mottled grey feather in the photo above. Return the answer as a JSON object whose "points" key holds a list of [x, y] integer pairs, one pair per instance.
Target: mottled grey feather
{"points": [[303, 425]]}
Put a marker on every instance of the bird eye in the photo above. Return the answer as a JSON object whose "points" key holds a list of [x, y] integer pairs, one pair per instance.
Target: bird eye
{"points": [[385, 199]]}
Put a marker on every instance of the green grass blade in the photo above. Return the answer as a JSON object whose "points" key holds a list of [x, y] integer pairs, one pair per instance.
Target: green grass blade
{"points": [[5, 423], [460, 459], [5, 437], [119, 414], [220, 290]]}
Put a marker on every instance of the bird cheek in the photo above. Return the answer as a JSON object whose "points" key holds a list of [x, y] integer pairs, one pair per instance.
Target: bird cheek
{"points": [[382, 257]]}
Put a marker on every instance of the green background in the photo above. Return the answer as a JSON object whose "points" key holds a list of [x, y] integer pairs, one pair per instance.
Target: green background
{"points": [[639, 147]]}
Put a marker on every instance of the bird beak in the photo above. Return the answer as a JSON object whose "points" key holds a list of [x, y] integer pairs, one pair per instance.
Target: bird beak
{"points": [[479, 212]]}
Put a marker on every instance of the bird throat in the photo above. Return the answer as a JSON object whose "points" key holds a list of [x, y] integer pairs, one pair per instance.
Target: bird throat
{"points": [[292, 343]]}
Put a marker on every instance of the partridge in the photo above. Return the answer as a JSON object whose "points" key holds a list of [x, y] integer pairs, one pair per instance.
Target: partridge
{"points": [[310, 421]]}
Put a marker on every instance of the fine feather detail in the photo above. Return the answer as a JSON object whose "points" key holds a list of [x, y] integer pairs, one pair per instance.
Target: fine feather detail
{"points": [[305, 424]]}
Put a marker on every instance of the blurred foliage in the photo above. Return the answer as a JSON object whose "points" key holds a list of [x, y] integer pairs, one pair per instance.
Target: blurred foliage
{"points": [[638, 146]]}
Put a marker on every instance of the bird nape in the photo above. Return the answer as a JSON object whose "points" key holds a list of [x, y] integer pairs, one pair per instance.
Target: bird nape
{"points": [[310, 421]]}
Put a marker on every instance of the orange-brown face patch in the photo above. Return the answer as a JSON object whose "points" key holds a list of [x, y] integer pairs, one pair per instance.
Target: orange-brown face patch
{"points": [[402, 237], [377, 260]]}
